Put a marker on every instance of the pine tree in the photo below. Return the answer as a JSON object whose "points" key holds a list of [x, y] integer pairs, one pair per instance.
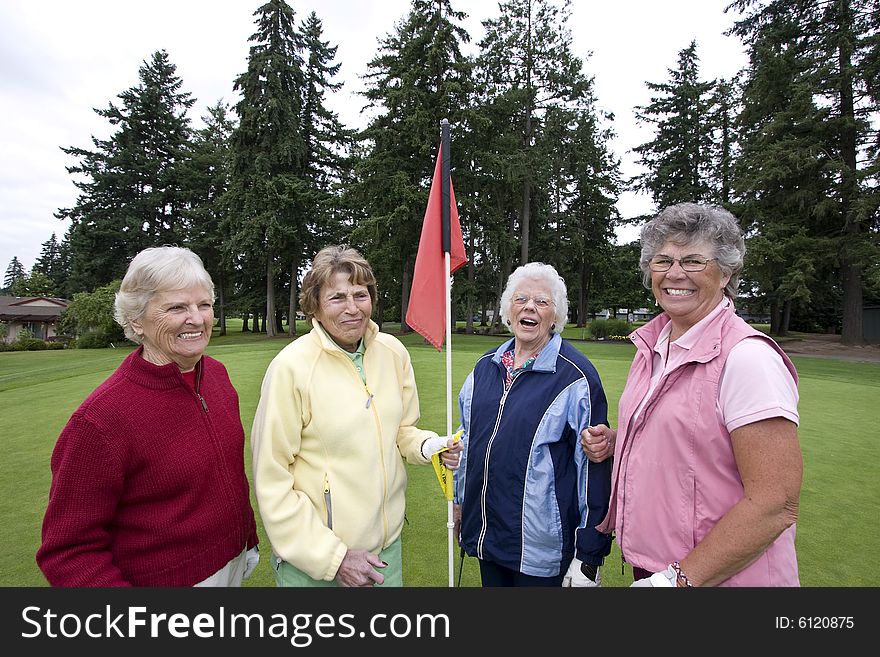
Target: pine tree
{"points": [[130, 192], [783, 178], [267, 189], [495, 138], [678, 159], [53, 263], [207, 181], [526, 66], [35, 284], [588, 225], [419, 77], [14, 272], [724, 106], [838, 46], [618, 279], [325, 163]]}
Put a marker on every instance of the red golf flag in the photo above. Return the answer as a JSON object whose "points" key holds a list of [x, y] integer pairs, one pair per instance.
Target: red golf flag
{"points": [[427, 299]]}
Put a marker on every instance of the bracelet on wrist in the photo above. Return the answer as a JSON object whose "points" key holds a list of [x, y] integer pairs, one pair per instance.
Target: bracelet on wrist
{"points": [[681, 578]]}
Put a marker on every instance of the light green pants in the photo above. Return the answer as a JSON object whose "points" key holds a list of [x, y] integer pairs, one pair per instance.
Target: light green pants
{"points": [[288, 575]]}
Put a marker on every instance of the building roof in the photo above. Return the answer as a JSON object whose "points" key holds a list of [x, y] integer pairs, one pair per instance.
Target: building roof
{"points": [[31, 309]]}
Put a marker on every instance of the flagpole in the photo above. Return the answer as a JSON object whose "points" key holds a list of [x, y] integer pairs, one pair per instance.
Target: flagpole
{"points": [[450, 524], [446, 243], [427, 313]]}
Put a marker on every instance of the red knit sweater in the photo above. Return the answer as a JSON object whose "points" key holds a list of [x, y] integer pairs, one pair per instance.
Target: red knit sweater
{"points": [[148, 482]]}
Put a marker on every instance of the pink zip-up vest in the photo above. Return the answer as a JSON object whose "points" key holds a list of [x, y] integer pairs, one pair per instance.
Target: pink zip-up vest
{"points": [[675, 474]]}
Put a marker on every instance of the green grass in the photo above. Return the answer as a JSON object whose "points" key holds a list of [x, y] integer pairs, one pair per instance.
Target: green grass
{"points": [[839, 524]]}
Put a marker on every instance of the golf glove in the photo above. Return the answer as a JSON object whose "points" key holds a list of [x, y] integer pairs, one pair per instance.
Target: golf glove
{"points": [[576, 577], [433, 445], [665, 578], [252, 558]]}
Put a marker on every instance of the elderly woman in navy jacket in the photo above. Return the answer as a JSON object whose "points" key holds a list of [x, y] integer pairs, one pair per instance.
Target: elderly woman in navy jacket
{"points": [[527, 500]]}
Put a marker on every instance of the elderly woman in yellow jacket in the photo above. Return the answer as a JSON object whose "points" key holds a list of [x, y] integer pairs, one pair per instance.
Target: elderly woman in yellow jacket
{"points": [[337, 416]]}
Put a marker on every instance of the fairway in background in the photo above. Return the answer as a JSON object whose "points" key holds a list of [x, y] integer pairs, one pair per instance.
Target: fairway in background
{"points": [[839, 522]]}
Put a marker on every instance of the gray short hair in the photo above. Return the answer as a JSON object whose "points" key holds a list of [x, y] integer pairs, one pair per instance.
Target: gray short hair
{"points": [[685, 223], [157, 269], [540, 272]]}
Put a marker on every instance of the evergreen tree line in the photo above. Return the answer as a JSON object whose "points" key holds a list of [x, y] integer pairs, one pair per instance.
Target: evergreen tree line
{"points": [[790, 145]]}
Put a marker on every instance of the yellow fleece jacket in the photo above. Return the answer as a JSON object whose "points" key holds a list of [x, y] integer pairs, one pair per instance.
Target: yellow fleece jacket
{"points": [[328, 472]]}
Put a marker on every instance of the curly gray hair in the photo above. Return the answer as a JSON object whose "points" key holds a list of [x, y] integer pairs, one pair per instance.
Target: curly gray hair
{"points": [[685, 223], [156, 269], [538, 271]]}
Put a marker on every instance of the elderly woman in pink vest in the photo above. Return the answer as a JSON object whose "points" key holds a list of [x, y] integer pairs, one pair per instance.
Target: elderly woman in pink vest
{"points": [[707, 465]]}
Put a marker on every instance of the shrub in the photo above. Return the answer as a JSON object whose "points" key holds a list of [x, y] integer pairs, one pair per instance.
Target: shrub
{"points": [[608, 329], [63, 340], [92, 312], [28, 344], [93, 340]]}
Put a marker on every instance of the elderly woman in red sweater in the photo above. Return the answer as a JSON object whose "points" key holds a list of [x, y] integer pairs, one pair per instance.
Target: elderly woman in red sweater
{"points": [[148, 482]]}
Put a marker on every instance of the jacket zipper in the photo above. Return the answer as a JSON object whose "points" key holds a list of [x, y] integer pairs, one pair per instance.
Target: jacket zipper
{"points": [[328, 501], [199, 387], [633, 431], [370, 405], [484, 520], [204, 404]]}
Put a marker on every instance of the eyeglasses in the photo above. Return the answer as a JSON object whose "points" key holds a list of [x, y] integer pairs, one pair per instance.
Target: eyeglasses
{"points": [[540, 302], [691, 263]]}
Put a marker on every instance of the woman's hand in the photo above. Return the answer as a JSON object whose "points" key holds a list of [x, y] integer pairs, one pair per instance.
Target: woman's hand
{"points": [[449, 447], [452, 455], [598, 442], [456, 522], [358, 568], [252, 559]]}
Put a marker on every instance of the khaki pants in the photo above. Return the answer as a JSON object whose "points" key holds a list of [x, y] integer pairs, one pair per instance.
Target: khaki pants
{"points": [[229, 575]]}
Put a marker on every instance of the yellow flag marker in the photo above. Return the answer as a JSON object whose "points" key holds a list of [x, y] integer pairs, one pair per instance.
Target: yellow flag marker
{"points": [[444, 474]]}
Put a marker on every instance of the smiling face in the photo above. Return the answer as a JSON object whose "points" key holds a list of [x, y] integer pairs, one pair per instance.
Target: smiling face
{"points": [[531, 323], [688, 297], [344, 310], [176, 327]]}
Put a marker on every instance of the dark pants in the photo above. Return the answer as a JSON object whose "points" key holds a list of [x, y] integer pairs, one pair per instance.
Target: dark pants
{"points": [[494, 575], [640, 573]]}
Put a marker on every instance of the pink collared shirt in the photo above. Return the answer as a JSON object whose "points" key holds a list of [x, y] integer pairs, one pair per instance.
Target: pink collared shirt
{"points": [[755, 384], [675, 474]]}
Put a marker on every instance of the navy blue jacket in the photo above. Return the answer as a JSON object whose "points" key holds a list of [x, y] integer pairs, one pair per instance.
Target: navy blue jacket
{"points": [[530, 498]]}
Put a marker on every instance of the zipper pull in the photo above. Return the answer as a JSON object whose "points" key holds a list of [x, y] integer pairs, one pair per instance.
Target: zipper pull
{"points": [[370, 398], [204, 404], [328, 502]]}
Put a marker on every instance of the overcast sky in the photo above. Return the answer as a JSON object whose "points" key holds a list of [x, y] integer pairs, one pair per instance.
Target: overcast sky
{"points": [[59, 59]]}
